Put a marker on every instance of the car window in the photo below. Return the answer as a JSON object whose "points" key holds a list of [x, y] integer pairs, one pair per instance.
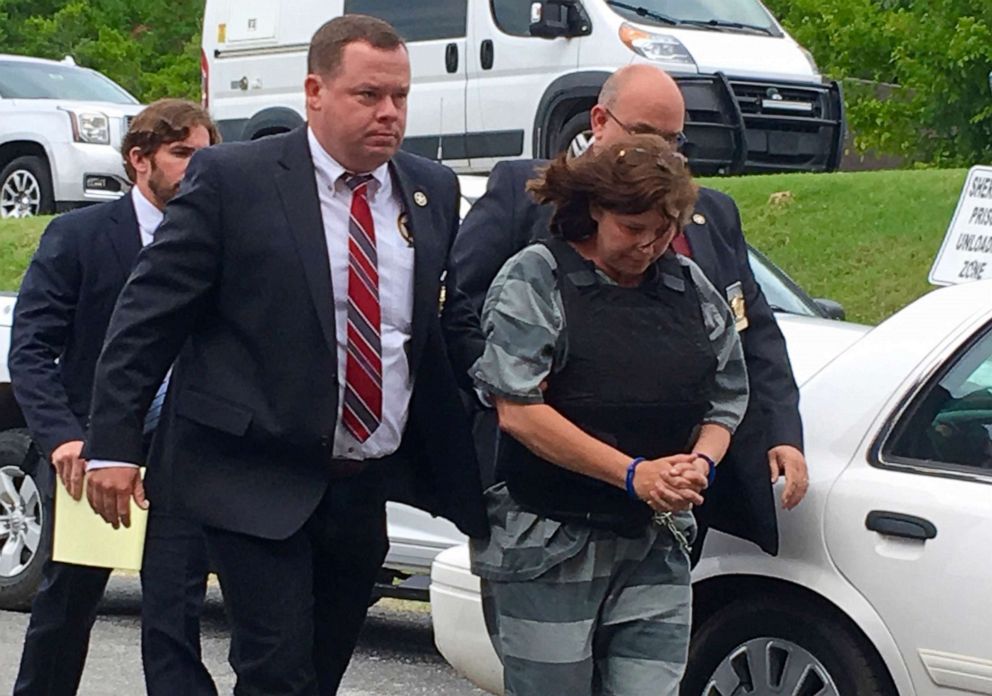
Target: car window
{"points": [[951, 422], [782, 293], [512, 16], [25, 80], [417, 21]]}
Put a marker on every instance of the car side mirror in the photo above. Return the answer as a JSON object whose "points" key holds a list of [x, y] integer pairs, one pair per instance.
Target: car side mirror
{"points": [[831, 308], [550, 19]]}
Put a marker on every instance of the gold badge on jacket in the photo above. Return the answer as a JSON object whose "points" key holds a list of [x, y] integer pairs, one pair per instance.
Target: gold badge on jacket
{"points": [[735, 298], [403, 224]]}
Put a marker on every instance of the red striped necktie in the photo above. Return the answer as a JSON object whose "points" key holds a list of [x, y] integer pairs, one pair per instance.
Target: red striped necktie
{"points": [[362, 411]]}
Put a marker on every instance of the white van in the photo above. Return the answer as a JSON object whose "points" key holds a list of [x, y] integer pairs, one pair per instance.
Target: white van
{"points": [[499, 79]]}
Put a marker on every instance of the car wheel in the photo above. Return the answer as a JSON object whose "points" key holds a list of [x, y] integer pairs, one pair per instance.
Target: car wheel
{"points": [[575, 135], [25, 530], [763, 647], [26, 188]]}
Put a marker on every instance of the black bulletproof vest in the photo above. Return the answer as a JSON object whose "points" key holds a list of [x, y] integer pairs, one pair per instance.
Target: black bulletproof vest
{"points": [[638, 375]]}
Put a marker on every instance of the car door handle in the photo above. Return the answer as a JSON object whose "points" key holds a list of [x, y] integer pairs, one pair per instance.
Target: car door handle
{"points": [[451, 57], [900, 525], [486, 54]]}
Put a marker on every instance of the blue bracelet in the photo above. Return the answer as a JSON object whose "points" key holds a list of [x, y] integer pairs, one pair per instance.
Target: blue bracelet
{"points": [[711, 475], [631, 468]]}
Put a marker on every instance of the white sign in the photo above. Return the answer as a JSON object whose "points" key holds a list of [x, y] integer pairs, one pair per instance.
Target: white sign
{"points": [[966, 253]]}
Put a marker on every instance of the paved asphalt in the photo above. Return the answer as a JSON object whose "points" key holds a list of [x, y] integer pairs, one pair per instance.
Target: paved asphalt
{"points": [[395, 656]]}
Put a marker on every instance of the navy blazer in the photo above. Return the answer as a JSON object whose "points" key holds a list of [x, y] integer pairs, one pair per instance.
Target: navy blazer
{"points": [[61, 316], [239, 278], [507, 218]]}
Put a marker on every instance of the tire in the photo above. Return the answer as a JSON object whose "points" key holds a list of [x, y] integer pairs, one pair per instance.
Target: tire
{"points": [[26, 188], [25, 530], [724, 651], [575, 135]]}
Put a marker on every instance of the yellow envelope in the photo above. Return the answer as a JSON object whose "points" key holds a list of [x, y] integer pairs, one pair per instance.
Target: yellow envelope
{"points": [[82, 537]]}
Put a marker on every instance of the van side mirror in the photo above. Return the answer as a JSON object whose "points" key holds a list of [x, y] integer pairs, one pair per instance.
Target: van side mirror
{"points": [[550, 19]]}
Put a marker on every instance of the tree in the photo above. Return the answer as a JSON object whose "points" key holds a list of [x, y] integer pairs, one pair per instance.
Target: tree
{"points": [[150, 47], [915, 71]]}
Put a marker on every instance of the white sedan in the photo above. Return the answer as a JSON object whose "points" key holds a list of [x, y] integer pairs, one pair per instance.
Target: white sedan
{"points": [[882, 584]]}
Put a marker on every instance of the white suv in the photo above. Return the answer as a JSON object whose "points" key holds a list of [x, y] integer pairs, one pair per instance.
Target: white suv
{"points": [[60, 135]]}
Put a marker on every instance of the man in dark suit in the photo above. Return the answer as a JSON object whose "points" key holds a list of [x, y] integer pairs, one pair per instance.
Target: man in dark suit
{"points": [[302, 274], [768, 444], [60, 321]]}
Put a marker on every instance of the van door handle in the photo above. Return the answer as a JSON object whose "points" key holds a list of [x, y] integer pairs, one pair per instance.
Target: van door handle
{"points": [[451, 57], [486, 54], [898, 524]]}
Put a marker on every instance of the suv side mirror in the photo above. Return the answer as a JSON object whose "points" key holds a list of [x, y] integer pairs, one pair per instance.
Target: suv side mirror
{"points": [[550, 19]]}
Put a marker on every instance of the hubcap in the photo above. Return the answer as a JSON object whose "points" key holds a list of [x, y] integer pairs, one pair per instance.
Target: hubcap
{"points": [[20, 521], [580, 143], [770, 667], [20, 195]]}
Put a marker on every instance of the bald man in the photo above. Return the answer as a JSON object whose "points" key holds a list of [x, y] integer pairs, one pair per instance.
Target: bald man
{"points": [[769, 442]]}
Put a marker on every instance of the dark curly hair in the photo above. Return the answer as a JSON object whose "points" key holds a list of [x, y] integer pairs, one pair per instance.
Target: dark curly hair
{"points": [[636, 174], [162, 122]]}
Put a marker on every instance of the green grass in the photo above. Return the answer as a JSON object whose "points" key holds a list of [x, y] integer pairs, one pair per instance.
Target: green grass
{"points": [[865, 239], [18, 240]]}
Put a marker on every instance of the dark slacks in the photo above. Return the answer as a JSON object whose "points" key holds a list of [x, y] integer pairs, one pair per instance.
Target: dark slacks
{"points": [[58, 634], [62, 616], [173, 584], [298, 604]]}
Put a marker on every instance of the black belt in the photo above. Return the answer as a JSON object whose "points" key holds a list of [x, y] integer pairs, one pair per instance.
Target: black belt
{"points": [[348, 468]]}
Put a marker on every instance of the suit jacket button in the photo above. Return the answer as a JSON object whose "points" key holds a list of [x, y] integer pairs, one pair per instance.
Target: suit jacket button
{"points": [[325, 442]]}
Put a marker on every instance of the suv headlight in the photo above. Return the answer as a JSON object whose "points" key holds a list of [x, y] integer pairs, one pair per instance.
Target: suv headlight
{"points": [[90, 127], [661, 48]]}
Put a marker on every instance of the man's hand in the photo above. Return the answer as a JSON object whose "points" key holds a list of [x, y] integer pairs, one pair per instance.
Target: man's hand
{"points": [[70, 467], [669, 484], [110, 491], [787, 461]]}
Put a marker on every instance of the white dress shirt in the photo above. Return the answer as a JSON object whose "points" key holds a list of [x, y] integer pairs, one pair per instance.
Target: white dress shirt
{"points": [[149, 218], [395, 256]]}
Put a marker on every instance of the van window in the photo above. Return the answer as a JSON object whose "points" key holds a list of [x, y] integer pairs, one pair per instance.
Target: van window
{"points": [[512, 16], [417, 20]]}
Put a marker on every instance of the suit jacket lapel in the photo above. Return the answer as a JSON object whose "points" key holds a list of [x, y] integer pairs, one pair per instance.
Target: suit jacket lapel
{"points": [[426, 254], [125, 237], [298, 190]]}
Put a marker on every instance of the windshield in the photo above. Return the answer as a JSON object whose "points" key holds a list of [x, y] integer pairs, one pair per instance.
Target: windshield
{"points": [[23, 80], [720, 15]]}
